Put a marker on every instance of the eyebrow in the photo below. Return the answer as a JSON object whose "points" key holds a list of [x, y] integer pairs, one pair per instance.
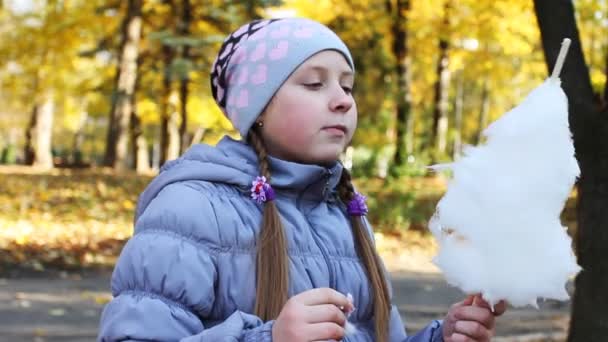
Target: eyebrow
{"points": [[345, 72]]}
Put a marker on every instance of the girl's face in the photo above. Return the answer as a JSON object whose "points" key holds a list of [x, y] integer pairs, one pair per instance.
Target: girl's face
{"points": [[312, 117]]}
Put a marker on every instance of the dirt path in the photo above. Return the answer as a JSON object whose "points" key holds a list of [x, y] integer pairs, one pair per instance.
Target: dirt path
{"points": [[66, 307]]}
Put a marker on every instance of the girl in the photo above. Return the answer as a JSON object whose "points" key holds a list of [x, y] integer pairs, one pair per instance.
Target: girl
{"points": [[260, 239]]}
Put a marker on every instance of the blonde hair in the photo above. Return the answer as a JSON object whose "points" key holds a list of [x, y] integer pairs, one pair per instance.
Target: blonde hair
{"points": [[272, 287]]}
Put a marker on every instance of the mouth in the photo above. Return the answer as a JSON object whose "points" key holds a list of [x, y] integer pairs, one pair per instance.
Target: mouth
{"points": [[337, 129]]}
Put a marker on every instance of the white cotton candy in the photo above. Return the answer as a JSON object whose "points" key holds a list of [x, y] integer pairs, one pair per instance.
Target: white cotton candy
{"points": [[349, 328], [498, 225]]}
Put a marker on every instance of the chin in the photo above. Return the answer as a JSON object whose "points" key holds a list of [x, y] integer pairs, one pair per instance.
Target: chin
{"points": [[327, 158]]}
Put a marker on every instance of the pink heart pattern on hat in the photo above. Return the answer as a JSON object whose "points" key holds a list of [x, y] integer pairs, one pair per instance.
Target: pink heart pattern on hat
{"points": [[258, 53], [243, 75], [304, 32], [280, 51], [259, 77], [281, 32], [243, 99]]}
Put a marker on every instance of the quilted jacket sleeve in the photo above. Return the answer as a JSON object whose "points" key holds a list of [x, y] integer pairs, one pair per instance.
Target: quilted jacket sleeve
{"points": [[154, 278]]}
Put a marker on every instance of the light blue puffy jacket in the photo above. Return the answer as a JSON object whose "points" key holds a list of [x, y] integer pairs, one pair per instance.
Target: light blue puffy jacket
{"points": [[188, 272]]}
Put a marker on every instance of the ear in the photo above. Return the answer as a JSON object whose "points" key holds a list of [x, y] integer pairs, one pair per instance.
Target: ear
{"points": [[259, 121]]}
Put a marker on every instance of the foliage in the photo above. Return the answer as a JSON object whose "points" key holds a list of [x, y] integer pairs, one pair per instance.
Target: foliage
{"points": [[65, 218], [70, 47], [82, 218], [592, 21]]}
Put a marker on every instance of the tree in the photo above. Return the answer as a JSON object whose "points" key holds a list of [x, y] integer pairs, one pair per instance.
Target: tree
{"points": [[42, 65], [169, 131], [458, 109], [117, 143], [39, 131], [484, 109], [589, 124], [402, 72], [439, 130], [184, 31], [140, 145]]}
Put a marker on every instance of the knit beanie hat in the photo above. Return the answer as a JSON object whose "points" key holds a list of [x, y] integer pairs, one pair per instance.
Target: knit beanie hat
{"points": [[255, 60]]}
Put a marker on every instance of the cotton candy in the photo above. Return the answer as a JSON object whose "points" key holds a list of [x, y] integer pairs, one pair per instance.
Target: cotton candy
{"points": [[498, 224]]}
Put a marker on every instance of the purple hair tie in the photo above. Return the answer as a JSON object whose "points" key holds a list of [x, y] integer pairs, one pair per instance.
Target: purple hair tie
{"points": [[357, 206], [261, 191]]}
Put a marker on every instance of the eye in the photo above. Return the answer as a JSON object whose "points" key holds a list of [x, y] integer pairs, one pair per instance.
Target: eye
{"points": [[313, 85], [347, 89]]}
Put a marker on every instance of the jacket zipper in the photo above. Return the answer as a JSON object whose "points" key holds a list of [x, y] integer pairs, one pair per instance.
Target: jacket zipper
{"points": [[327, 262], [332, 281]]}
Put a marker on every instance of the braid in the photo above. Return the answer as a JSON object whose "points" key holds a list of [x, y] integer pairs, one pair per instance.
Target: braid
{"points": [[260, 149], [371, 260], [272, 270], [346, 190]]}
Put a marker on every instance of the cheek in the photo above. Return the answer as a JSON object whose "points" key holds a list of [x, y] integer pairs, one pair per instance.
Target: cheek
{"points": [[293, 125], [352, 123]]}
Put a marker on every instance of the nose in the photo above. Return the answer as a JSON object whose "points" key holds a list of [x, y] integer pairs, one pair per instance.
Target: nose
{"points": [[341, 102]]}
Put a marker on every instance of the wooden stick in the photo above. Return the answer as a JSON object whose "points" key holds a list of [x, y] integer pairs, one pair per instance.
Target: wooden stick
{"points": [[561, 58]]}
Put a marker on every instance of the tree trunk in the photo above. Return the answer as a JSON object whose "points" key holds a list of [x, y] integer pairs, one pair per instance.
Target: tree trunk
{"points": [[197, 136], [402, 71], [484, 111], [169, 131], [605, 94], [117, 145], [458, 109], [184, 82], [589, 125], [140, 145], [77, 159], [38, 135], [29, 152], [170, 138], [440, 115]]}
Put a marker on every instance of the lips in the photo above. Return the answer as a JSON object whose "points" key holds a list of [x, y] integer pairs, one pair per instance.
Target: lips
{"points": [[336, 127]]}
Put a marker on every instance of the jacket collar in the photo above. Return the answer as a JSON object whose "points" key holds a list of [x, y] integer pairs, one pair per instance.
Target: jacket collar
{"points": [[308, 181]]}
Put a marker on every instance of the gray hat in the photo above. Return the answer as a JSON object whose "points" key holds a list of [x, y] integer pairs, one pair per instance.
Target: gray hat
{"points": [[256, 59]]}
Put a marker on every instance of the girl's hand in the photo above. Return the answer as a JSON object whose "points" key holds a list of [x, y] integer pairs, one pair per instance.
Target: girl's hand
{"points": [[471, 320], [313, 315]]}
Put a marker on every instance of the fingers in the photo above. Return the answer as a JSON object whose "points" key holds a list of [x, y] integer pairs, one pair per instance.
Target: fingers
{"points": [[480, 302], [460, 338], [468, 300], [498, 309], [473, 330], [325, 296], [472, 320], [325, 313], [324, 331], [476, 314]]}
